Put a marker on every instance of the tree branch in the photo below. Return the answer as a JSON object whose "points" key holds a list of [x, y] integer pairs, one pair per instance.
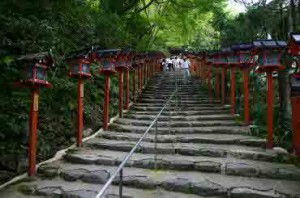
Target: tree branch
{"points": [[145, 7]]}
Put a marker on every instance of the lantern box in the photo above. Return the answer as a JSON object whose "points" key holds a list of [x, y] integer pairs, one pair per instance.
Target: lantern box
{"points": [[245, 54], [79, 64], [233, 59], [209, 58], [220, 59], [269, 54], [121, 61], [35, 69], [129, 59], [293, 46], [295, 85], [80, 68], [107, 60]]}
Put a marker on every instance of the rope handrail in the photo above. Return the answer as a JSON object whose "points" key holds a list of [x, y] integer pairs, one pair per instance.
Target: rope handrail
{"points": [[121, 166]]}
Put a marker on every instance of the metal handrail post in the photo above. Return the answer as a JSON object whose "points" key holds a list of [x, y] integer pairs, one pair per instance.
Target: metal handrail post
{"points": [[121, 183], [120, 167], [155, 146]]}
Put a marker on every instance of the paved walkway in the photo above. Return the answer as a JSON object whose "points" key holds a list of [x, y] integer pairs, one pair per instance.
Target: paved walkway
{"points": [[201, 152]]}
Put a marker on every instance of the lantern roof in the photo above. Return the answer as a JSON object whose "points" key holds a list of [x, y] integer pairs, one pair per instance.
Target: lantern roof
{"points": [[107, 52], [82, 53], [242, 47], [41, 57], [269, 44], [295, 37]]}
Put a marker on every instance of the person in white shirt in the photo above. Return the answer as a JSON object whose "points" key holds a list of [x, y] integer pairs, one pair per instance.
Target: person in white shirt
{"points": [[178, 62], [169, 63], [185, 65]]}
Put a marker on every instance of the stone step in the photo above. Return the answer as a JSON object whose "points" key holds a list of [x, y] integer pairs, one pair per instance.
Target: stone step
{"points": [[180, 104], [190, 182], [174, 124], [87, 187], [245, 140], [181, 97], [181, 130], [192, 149], [162, 101], [179, 112], [199, 110], [181, 118], [225, 166]]}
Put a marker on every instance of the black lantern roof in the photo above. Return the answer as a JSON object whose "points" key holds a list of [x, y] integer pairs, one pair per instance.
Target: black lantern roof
{"points": [[242, 47], [269, 44], [107, 52], [295, 37], [82, 53], [42, 57]]}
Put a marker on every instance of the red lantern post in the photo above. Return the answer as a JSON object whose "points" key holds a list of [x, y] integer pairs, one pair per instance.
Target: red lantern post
{"points": [[294, 50], [269, 55], [121, 67], [233, 61], [219, 61], [34, 77], [79, 65], [128, 58], [107, 59], [245, 62], [208, 63]]}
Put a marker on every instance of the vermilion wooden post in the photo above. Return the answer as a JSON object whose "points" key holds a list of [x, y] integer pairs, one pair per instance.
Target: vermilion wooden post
{"points": [[145, 73], [223, 85], [134, 85], [80, 90], [296, 124], [217, 85], [33, 119], [106, 103], [149, 70], [141, 78], [126, 89], [232, 91], [270, 111], [246, 97], [120, 74], [209, 83]]}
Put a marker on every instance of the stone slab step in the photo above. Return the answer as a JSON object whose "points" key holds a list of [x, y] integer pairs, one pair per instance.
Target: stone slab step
{"points": [[179, 104], [181, 118], [224, 166], [180, 112], [192, 149], [59, 187], [202, 184], [179, 108], [189, 138], [190, 101], [182, 130], [173, 124]]}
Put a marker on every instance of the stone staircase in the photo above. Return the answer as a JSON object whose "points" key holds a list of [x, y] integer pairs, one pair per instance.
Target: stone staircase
{"points": [[201, 152]]}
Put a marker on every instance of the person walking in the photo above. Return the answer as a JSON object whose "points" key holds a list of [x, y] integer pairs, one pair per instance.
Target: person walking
{"points": [[185, 65], [169, 63]]}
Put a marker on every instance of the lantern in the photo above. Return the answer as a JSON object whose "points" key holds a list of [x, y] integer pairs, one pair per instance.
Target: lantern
{"points": [[34, 76], [107, 61], [293, 49], [245, 54], [295, 85], [35, 70], [233, 59], [294, 44], [269, 54], [80, 68], [121, 63]]}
